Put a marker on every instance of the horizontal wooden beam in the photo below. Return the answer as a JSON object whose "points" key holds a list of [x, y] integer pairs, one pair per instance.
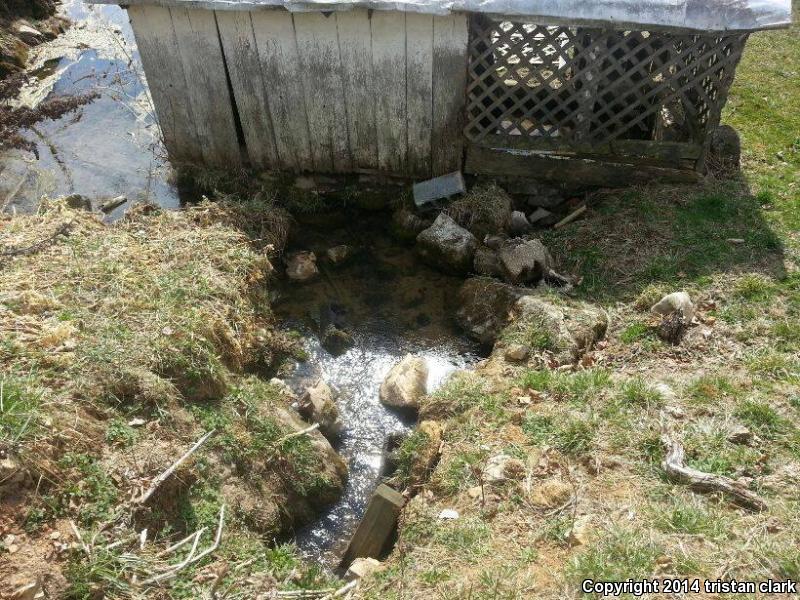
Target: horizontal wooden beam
{"points": [[608, 173]]}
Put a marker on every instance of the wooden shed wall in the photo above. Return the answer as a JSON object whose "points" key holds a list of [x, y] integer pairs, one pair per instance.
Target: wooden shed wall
{"points": [[338, 92]]}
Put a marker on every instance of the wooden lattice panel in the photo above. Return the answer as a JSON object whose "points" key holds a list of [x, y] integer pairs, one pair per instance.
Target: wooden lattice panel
{"points": [[543, 85]]}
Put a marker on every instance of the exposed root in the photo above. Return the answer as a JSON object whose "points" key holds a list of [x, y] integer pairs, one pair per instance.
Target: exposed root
{"points": [[675, 466]]}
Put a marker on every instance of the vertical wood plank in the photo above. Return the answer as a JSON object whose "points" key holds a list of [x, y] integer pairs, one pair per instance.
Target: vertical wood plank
{"points": [[355, 45], [389, 81], [158, 48], [450, 41], [280, 68], [201, 55], [241, 56], [318, 50], [419, 82]]}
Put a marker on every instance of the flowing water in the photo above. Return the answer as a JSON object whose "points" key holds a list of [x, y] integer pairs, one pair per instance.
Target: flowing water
{"points": [[391, 304]]}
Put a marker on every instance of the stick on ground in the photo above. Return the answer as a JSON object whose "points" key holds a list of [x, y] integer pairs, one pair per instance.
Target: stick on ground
{"points": [[165, 475], [675, 466]]}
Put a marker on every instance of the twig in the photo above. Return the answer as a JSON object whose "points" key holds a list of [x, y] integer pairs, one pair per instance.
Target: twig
{"points": [[80, 538], [40, 245], [675, 466], [165, 475], [174, 570], [570, 217], [177, 545], [297, 434], [216, 539]]}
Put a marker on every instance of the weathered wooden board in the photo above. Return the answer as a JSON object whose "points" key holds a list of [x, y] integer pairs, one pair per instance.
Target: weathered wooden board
{"points": [[250, 93], [491, 161], [208, 91], [419, 92], [377, 525], [318, 50], [355, 45], [280, 68], [158, 48], [450, 39], [389, 80]]}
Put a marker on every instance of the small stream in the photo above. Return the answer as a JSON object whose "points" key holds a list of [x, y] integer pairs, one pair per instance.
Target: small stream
{"points": [[392, 305]]}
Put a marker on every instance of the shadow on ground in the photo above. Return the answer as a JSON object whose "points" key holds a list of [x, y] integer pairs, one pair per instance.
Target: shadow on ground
{"points": [[676, 235]]}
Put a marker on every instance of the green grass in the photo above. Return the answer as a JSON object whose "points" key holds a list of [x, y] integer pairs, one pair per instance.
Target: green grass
{"points": [[637, 392], [19, 409], [707, 390], [569, 434], [635, 332]]}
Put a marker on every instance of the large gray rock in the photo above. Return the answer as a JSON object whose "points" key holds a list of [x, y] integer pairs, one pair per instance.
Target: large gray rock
{"points": [[487, 263], [302, 266], [447, 245], [675, 302], [484, 307], [405, 384], [317, 404], [519, 223], [568, 331], [524, 261]]}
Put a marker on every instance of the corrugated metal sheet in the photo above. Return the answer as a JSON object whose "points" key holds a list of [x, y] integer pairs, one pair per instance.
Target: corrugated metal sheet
{"points": [[700, 15]]}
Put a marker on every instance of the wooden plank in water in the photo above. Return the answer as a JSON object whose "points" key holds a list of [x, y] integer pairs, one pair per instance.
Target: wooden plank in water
{"points": [[419, 82], [209, 95], [280, 69], [158, 48], [318, 50], [377, 525], [389, 88], [450, 39], [252, 101], [355, 45]]}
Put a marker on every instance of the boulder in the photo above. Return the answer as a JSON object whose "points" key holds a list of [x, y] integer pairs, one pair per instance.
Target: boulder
{"points": [[487, 263], [583, 531], [740, 435], [336, 340], [502, 468], [407, 226], [447, 245], [79, 202], [568, 331], [28, 34], [524, 261], [519, 223], [406, 383], [362, 567], [484, 306], [317, 405], [517, 352], [725, 149], [675, 302], [542, 218], [302, 266], [427, 454], [338, 254]]}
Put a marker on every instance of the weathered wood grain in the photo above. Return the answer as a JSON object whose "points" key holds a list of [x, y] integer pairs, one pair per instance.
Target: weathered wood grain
{"points": [[492, 161], [419, 92], [208, 92], [321, 71], [252, 101], [377, 525], [280, 69], [389, 81], [158, 48], [355, 48], [450, 38]]}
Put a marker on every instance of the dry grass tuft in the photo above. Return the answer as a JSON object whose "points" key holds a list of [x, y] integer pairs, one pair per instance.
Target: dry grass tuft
{"points": [[484, 210]]}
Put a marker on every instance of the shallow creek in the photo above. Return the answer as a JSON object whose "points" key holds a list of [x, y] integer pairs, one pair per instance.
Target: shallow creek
{"points": [[390, 303]]}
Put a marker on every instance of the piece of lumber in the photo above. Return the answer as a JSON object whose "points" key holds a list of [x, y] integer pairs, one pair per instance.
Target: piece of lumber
{"points": [[675, 467], [377, 525], [426, 193]]}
